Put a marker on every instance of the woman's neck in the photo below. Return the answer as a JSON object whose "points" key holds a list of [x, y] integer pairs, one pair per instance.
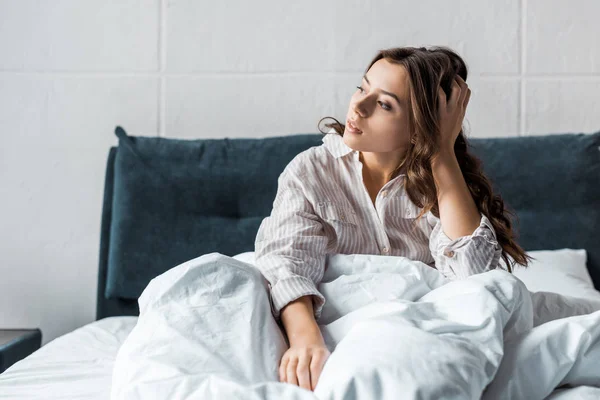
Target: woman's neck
{"points": [[378, 169]]}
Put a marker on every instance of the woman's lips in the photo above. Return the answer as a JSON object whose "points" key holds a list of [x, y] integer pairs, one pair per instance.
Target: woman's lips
{"points": [[352, 128]]}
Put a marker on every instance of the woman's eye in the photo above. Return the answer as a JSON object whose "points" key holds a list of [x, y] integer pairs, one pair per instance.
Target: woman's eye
{"points": [[383, 105]]}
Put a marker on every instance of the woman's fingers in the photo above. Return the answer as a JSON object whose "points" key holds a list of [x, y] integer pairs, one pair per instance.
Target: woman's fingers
{"points": [[303, 367], [467, 97], [442, 97], [291, 371], [446, 104], [455, 95], [459, 94], [282, 369], [465, 91], [303, 372], [316, 367]]}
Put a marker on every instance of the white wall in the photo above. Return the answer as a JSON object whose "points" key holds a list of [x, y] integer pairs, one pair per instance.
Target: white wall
{"points": [[71, 70]]}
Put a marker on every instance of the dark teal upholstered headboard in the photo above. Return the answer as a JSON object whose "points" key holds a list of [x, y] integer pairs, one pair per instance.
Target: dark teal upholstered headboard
{"points": [[167, 201]]}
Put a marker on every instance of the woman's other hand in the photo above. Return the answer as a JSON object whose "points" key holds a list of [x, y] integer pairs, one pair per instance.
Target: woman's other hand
{"points": [[303, 362]]}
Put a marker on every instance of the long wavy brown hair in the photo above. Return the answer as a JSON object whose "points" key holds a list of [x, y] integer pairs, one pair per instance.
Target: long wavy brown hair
{"points": [[428, 69]]}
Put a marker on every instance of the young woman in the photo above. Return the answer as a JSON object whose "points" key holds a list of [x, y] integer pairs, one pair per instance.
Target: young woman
{"points": [[396, 179]]}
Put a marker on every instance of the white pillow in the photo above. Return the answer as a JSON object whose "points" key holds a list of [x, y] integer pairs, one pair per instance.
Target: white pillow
{"points": [[247, 257], [562, 271]]}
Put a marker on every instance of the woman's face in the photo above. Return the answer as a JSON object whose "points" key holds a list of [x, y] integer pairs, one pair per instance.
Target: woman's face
{"points": [[379, 109]]}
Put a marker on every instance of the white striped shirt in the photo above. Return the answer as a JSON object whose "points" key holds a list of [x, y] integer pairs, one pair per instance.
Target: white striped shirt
{"points": [[323, 207]]}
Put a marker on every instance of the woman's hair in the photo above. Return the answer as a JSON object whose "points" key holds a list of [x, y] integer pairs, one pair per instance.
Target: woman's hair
{"points": [[428, 69]]}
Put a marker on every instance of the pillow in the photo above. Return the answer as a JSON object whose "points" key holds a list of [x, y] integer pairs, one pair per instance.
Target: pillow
{"points": [[562, 271], [560, 283], [247, 257]]}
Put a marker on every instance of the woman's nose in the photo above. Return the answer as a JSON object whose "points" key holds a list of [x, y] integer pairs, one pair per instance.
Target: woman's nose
{"points": [[359, 108], [362, 106]]}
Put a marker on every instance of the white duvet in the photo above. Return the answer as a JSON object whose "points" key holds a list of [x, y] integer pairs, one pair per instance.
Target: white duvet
{"points": [[396, 329]]}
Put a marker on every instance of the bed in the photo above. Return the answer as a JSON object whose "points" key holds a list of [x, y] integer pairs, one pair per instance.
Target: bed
{"points": [[167, 201]]}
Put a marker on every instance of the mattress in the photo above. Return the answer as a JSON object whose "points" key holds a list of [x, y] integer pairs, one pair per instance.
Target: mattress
{"points": [[77, 365]]}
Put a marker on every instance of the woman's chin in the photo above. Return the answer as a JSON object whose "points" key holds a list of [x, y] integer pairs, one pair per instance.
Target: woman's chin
{"points": [[348, 139]]}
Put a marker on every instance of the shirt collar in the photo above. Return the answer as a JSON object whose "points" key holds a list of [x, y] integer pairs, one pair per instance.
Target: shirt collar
{"points": [[335, 144]]}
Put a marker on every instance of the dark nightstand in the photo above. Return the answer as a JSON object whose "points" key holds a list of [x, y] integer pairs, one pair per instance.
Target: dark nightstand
{"points": [[16, 344]]}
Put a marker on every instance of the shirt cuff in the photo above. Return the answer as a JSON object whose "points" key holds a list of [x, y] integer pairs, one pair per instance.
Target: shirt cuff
{"points": [[485, 230], [289, 289]]}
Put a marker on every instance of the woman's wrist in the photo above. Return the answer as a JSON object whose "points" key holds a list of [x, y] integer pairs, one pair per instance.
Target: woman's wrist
{"points": [[299, 322], [306, 337], [442, 156]]}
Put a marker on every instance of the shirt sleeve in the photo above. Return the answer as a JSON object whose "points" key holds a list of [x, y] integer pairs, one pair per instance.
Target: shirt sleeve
{"points": [[466, 255], [290, 247]]}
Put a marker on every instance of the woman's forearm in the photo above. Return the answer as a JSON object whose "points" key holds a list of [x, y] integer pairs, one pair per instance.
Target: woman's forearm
{"points": [[458, 212], [299, 321]]}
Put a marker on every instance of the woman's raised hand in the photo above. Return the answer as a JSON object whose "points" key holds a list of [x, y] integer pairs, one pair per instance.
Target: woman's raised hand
{"points": [[452, 112]]}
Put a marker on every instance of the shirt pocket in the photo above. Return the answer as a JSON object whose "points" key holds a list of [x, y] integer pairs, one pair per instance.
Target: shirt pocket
{"points": [[337, 214]]}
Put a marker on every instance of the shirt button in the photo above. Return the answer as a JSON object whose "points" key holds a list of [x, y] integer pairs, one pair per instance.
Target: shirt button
{"points": [[384, 193], [449, 253], [385, 250], [343, 217]]}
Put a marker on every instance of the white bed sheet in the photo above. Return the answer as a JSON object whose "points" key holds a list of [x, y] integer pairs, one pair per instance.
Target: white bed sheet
{"points": [[77, 365]]}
